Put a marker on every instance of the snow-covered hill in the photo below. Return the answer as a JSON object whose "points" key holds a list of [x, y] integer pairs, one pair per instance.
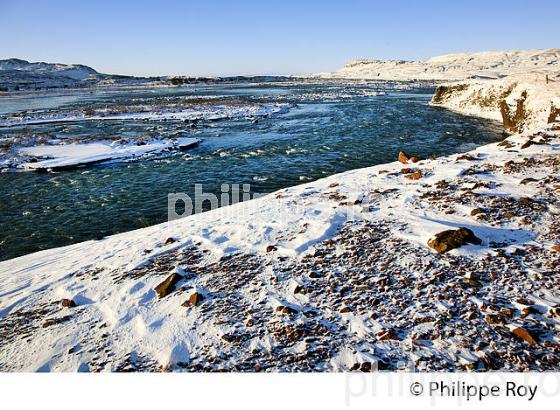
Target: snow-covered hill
{"points": [[73, 71], [22, 75], [453, 67], [16, 74]]}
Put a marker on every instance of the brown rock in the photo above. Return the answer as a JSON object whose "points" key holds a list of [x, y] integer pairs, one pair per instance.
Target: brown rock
{"points": [[345, 309], [525, 301], [453, 238], [414, 176], [403, 157], [494, 319], [193, 300], [286, 310], [526, 181], [250, 323], [477, 211], [271, 248], [525, 202], [524, 334], [506, 144], [526, 311], [387, 335], [556, 248], [507, 312], [471, 282], [69, 303], [365, 367], [531, 142], [168, 285], [169, 241]]}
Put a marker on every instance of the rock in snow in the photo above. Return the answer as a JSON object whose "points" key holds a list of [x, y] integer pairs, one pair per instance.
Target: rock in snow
{"points": [[68, 303], [194, 299], [523, 334], [453, 238], [168, 285]]}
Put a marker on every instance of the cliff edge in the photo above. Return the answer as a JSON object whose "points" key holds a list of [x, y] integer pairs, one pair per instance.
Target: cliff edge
{"points": [[521, 101]]}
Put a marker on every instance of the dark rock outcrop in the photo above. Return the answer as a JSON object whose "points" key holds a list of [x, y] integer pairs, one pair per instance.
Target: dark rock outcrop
{"points": [[554, 114], [69, 303], [453, 238], [443, 92], [514, 120]]}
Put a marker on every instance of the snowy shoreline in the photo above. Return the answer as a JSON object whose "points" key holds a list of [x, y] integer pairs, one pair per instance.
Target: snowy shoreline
{"points": [[284, 282]]}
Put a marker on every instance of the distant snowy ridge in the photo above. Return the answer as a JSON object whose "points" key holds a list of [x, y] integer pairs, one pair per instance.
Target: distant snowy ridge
{"points": [[22, 75], [73, 71], [452, 67]]}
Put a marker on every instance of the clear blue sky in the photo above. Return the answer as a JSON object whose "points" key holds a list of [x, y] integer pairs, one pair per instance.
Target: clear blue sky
{"points": [[212, 37]]}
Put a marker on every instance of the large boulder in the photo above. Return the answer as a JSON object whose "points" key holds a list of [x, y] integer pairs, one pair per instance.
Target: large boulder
{"points": [[168, 285], [69, 303], [404, 158], [194, 299], [453, 238], [523, 334]]}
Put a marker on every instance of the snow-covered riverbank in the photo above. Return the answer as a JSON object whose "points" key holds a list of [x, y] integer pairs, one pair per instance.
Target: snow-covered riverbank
{"points": [[331, 275], [521, 102]]}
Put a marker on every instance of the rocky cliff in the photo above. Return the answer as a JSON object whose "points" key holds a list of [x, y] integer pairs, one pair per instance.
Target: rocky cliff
{"points": [[520, 101]]}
